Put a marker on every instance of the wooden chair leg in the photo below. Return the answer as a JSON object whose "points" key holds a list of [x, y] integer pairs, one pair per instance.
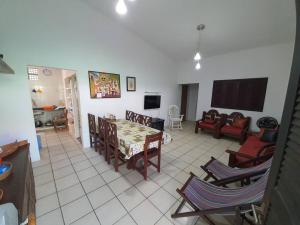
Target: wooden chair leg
{"points": [[116, 153], [158, 163], [145, 167]]}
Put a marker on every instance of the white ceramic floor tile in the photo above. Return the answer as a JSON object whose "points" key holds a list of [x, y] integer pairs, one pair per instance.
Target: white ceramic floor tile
{"points": [[70, 194], [110, 175], [62, 172], [87, 173], [43, 179], [147, 187], [134, 177], [75, 210], [51, 218], [66, 182], [82, 165], [44, 190], [93, 183], [89, 219], [146, 214], [131, 198], [160, 178], [110, 212], [119, 185], [171, 187], [163, 221], [41, 170], [100, 196], [126, 220], [162, 200], [46, 204]]}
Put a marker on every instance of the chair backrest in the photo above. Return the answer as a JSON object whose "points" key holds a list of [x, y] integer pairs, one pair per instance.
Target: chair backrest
{"points": [[267, 123], [237, 115], [211, 114], [137, 118], [92, 123], [129, 115], [111, 134], [155, 140], [146, 121], [102, 127], [174, 111]]}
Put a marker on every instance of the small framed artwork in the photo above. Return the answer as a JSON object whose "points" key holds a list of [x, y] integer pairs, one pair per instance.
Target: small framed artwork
{"points": [[131, 83], [104, 85]]}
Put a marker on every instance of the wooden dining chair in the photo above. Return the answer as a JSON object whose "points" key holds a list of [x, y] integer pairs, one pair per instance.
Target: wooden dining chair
{"points": [[92, 129], [149, 152], [129, 115], [112, 147], [101, 137], [137, 118], [146, 121]]}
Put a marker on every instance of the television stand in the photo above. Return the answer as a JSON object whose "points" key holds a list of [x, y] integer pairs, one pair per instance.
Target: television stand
{"points": [[158, 124]]}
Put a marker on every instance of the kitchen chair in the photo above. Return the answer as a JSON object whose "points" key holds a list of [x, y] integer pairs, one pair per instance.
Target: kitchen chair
{"points": [[152, 148], [112, 147], [92, 129], [101, 137], [175, 119], [61, 122]]}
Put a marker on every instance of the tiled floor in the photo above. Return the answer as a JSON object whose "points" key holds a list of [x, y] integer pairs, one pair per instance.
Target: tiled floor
{"points": [[76, 186]]}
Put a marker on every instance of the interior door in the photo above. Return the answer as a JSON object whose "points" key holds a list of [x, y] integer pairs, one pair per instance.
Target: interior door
{"points": [[283, 192], [184, 99]]}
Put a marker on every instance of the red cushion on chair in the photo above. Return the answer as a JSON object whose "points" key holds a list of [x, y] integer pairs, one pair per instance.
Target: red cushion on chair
{"points": [[231, 130], [206, 125], [210, 121], [251, 147]]}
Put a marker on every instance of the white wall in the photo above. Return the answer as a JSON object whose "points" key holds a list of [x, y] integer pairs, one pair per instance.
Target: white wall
{"points": [[52, 88], [40, 32], [273, 62], [192, 100]]}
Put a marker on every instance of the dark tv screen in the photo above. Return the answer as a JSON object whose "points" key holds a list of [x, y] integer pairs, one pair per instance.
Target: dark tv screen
{"points": [[152, 102]]}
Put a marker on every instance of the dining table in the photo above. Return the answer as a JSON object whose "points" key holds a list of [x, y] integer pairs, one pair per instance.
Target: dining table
{"points": [[131, 137]]}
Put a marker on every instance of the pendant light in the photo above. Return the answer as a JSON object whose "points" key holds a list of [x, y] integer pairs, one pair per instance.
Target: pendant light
{"points": [[121, 7], [198, 56]]}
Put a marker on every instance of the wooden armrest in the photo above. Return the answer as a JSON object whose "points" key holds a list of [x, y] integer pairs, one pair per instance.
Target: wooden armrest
{"points": [[239, 154]]}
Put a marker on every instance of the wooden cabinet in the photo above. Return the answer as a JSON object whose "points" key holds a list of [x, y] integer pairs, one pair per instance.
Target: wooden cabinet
{"points": [[19, 188], [158, 124]]}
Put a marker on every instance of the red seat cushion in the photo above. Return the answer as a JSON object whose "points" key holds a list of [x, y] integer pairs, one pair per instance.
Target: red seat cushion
{"points": [[251, 147], [206, 125], [231, 130]]}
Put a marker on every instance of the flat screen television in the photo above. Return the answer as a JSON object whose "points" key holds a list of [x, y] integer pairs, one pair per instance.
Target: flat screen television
{"points": [[152, 101]]}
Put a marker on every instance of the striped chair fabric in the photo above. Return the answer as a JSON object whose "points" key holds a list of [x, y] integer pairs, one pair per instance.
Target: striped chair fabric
{"points": [[221, 171], [206, 196]]}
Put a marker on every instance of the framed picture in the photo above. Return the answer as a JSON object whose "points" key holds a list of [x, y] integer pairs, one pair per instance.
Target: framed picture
{"points": [[131, 83], [104, 85]]}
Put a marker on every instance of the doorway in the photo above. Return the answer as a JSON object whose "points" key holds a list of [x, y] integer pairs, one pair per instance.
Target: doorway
{"points": [[55, 100], [189, 101]]}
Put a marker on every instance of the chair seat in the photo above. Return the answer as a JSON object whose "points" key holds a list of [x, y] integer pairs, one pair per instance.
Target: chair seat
{"points": [[252, 145], [231, 130], [176, 119], [207, 196], [206, 125]]}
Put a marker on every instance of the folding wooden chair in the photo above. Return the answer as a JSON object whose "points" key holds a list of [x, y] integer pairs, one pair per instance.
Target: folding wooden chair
{"points": [[207, 199], [221, 173]]}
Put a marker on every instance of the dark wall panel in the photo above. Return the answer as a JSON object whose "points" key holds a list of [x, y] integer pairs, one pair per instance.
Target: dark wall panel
{"points": [[242, 94]]}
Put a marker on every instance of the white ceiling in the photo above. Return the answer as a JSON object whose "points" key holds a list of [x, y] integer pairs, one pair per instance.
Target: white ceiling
{"points": [[231, 25]]}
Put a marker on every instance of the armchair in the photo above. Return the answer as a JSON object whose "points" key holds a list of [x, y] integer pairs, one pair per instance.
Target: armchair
{"points": [[236, 126], [211, 121]]}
